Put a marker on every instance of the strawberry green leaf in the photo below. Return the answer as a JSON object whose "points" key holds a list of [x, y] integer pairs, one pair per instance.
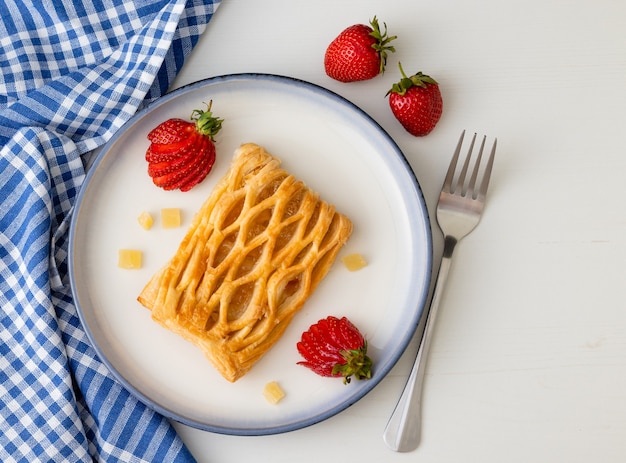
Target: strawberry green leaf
{"points": [[206, 123], [382, 42], [417, 80]]}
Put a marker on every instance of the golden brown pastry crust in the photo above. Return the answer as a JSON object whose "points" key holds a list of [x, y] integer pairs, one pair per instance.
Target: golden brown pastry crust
{"points": [[254, 253]]}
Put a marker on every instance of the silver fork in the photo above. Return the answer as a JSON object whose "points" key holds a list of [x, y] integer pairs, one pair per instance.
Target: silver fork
{"points": [[458, 212]]}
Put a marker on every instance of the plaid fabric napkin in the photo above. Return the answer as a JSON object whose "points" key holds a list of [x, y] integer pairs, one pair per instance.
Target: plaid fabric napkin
{"points": [[71, 74]]}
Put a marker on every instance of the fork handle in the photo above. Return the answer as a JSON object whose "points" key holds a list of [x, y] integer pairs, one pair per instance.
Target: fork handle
{"points": [[402, 432]]}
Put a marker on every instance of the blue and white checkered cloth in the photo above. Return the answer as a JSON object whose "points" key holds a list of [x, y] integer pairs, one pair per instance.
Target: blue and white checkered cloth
{"points": [[71, 74]]}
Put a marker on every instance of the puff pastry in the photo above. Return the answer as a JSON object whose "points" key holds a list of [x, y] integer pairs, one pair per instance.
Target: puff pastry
{"points": [[254, 253]]}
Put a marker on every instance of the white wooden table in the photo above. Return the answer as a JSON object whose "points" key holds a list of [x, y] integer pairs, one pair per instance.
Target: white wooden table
{"points": [[528, 362]]}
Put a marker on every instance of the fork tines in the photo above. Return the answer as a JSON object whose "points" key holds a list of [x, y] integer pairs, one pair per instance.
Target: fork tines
{"points": [[470, 190]]}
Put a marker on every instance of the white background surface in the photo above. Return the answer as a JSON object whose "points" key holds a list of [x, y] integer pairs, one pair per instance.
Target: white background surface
{"points": [[529, 356]]}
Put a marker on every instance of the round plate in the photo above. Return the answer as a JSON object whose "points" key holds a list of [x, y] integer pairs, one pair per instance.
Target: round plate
{"points": [[338, 151]]}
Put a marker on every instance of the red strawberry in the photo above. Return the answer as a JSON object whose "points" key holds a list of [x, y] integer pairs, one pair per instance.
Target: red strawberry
{"points": [[335, 347], [164, 166], [158, 152], [358, 53], [416, 102], [202, 170], [171, 132], [196, 172], [181, 153]]}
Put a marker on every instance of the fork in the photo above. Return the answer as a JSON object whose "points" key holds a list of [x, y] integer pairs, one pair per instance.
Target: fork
{"points": [[458, 212]]}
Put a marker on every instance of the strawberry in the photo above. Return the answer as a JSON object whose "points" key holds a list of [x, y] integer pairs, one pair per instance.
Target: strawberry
{"points": [[416, 102], [358, 53], [181, 153], [335, 347]]}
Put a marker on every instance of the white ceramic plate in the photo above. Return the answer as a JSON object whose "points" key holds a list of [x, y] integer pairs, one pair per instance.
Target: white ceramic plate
{"points": [[338, 151]]}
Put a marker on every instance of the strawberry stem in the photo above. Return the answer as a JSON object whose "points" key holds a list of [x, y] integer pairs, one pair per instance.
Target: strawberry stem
{"points": [[206, 123], [382, 42], [357, 364], [405, 83]]}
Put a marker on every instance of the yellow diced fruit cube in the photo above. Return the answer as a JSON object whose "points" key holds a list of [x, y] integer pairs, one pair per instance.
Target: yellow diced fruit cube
{"points": [[273, 392], [145, 220], [130, 259], [354, 262], [170, 217]]}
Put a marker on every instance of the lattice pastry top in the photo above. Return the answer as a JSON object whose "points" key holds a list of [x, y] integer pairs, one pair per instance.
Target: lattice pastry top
{"points": [[254, 253]]}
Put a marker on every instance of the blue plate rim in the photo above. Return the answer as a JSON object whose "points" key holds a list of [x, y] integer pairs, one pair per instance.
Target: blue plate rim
{"points": [[380, 374]]}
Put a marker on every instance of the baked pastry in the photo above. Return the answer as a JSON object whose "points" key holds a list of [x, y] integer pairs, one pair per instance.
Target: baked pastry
{"points": [[254, 253]]}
